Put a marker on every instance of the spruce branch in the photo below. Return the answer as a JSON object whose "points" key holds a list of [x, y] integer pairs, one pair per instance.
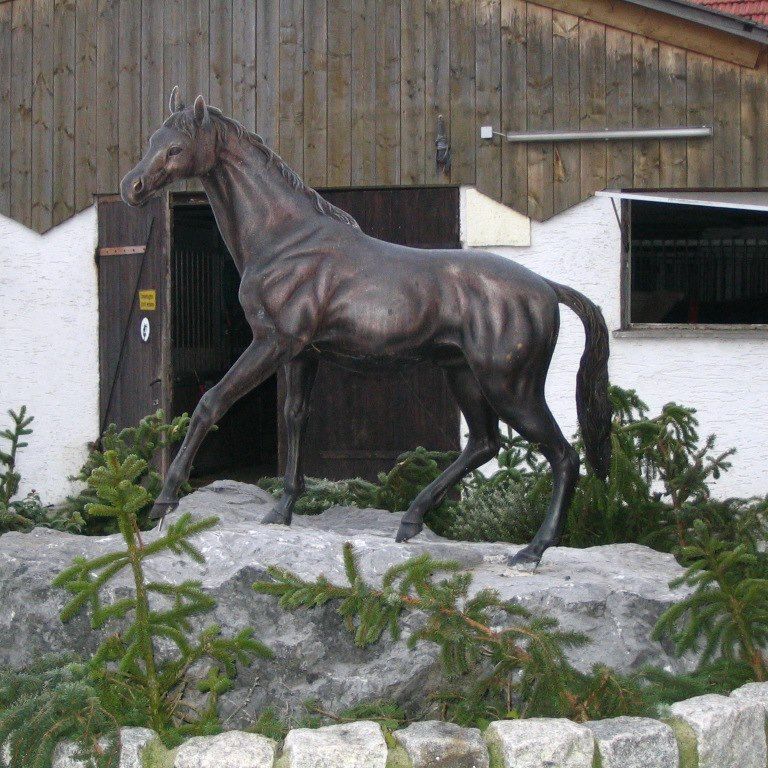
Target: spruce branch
{"points": [[157, 609], [493, 663], [726, 615]]}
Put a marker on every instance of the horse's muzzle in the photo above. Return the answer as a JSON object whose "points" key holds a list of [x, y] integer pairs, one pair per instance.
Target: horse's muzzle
{"points": [[133, 190]]}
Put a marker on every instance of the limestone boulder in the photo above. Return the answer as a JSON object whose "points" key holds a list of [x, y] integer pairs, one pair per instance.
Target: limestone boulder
{"points": [[729, 731], [232, 749], [634, 742], [540, 743], [353, 745], [437, 744], [613, 594]]}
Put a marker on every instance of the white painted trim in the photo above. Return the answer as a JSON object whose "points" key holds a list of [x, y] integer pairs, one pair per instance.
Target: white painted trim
{"points": [[484, 222], [738, 200]]}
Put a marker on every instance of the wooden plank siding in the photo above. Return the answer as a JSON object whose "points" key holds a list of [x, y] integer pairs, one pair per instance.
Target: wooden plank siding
{"points": [[339, 113], [41, 182], [567, 110], [349, 93], [5, 109]]}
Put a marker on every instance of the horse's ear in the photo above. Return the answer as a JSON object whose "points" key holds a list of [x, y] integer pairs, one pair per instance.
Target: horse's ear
{"points": [[174, 103], [201, 110]]}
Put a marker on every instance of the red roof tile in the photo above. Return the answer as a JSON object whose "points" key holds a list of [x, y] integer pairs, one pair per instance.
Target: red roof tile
{"points": [[756, 10]]}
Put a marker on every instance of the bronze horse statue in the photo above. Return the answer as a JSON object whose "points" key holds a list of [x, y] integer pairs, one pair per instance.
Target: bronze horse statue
{"points": [[313, 286]]}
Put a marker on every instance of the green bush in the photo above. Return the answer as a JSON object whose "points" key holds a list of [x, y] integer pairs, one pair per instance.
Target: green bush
{"points": [[125, 683], [144, 441], [509, 511], [394, 490], [659, 484], [28, 512]]}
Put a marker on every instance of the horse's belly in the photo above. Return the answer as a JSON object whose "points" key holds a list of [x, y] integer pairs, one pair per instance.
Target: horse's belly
{"points": [[381, 325]]}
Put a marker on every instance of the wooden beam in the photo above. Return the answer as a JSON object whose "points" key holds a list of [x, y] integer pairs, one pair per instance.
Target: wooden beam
{"points": [[566, 87], [664, 28], [315, 169], [63, 124], [363, 165], [412, 99], [340, 92], [5, 110], [437, 95], [42, 116], [514, 107]]}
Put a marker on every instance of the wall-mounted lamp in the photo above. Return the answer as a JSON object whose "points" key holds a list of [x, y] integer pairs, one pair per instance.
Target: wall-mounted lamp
{"points": [[442, 148]]}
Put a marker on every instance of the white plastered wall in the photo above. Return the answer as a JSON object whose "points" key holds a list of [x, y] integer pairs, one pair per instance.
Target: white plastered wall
{"points": [[725, 379], [49, 342]]}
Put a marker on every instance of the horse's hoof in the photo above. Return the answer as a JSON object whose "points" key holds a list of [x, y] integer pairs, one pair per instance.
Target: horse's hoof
{"points": [[527, 559], [161, 508], [408, 531], [276, 517]]}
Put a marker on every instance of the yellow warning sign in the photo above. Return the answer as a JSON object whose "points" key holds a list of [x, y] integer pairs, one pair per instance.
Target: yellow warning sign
{"points": [[148, 300]]}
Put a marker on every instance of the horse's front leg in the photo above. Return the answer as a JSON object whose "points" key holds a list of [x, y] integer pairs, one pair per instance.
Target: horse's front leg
{"points": [[257, 363], [299, 378]]}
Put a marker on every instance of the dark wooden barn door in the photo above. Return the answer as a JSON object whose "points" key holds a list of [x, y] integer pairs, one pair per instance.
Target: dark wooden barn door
{"points": [[133, 280], [359, 424]]}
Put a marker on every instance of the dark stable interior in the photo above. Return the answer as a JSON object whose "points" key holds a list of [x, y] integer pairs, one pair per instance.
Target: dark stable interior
{"points": [[209, 332], [696, 264]]}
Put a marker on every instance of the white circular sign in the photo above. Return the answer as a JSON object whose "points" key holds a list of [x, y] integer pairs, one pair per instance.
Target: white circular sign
{"points": [[144, 329]]}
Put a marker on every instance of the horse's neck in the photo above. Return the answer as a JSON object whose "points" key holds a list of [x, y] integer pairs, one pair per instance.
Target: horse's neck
{"points": [[256, 210]]}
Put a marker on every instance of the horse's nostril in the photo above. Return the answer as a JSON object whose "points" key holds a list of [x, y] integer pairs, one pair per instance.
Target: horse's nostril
{"points": [[138, 185]]}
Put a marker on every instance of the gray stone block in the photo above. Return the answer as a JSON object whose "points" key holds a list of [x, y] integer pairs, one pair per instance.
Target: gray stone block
{"points": [[436, 744], [133, 741], [753, 692], [352, 745], [540, 743], [730, 732], [232, 749], [634, 742]]}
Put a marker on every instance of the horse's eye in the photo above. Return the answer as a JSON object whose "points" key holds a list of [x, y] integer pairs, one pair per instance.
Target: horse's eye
{"points": [[174, 151]]}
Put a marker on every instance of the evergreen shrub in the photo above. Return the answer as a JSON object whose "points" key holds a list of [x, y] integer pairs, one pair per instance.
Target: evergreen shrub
{"points": [[28, 512]]}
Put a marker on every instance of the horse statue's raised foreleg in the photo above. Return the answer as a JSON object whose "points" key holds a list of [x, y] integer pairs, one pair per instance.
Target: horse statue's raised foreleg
{"points": [[259, 361], [482, 445], [299, 378]]}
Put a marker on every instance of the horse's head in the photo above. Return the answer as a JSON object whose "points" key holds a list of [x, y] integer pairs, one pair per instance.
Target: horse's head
{"points": [[184, 146]]}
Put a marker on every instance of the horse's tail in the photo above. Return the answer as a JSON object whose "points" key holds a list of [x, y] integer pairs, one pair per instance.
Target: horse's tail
{"points": [[593, 405]]}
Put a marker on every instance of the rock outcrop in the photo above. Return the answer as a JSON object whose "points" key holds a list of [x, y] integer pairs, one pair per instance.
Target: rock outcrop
{"points": [[613, 594]]}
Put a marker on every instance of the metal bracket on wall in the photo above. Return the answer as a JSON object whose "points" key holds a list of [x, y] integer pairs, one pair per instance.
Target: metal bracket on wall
{"points": [[704, 131], [121, 250]]}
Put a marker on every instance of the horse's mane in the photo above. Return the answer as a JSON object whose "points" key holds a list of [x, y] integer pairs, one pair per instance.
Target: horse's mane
{"points": [[184, 122]]}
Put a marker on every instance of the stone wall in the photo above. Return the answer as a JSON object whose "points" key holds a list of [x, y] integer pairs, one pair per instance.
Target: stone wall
{"points": [[704, 732]]}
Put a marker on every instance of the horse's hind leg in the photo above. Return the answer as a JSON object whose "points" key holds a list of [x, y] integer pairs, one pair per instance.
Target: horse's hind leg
{"points": [[299, 379], [523, 406], [483, 444]]}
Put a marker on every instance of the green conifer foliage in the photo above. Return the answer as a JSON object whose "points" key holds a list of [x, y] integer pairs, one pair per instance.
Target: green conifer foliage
{"points": [[155, 609], [726, 615], [10, 478], [26, 513], [56, 699], [144, 441], [492, 672], [394, 490]]}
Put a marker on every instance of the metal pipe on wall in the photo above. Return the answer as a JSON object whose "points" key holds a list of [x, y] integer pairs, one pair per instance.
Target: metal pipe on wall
{"points": [[487, 132]]}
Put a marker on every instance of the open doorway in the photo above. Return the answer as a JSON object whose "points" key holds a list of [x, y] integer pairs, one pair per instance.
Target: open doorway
{"points": [[170, 325], [208, 333]]}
